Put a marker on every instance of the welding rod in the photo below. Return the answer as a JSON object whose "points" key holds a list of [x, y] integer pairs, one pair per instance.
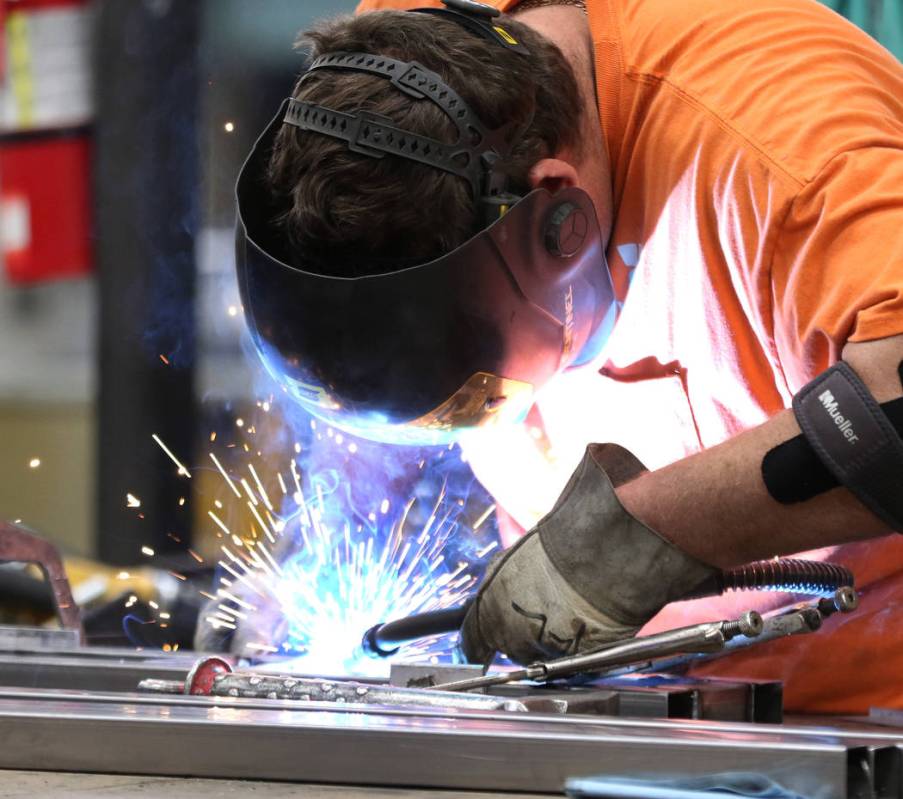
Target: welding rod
{"points": [[213, 676], [384, 640]]}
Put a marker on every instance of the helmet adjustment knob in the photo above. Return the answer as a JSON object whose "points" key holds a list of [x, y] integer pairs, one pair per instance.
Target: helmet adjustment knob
{"points": [[566, 230]]}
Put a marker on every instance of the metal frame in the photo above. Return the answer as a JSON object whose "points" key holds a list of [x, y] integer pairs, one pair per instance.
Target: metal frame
{"points": [[77, 711], [367, 746]]}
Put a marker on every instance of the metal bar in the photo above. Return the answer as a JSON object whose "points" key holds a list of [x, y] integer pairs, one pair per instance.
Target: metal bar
{"points": [[800, 620], [30, 639], [847, 733], [86, 673], [20, 545], [416, 675], [766, 700], [887, 764], [467, 751], [886, 715], [84, 670], [662, 702], [299, 689], [706, 637]]}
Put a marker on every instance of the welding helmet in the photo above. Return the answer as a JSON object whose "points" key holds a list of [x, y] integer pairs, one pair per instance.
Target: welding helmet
{"points": [[417, 353]]}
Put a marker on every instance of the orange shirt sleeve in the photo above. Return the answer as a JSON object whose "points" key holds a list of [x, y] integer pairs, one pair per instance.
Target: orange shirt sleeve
{"points": [[837, 272]]}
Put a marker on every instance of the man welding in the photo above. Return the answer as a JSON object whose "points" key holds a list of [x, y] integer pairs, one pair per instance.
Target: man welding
{"points": [[674, 225]]}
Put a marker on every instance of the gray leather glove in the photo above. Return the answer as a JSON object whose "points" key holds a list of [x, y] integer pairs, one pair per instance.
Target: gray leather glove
{"points": [[587, 574]]}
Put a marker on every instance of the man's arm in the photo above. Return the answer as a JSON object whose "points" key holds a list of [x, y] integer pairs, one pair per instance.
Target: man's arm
{"points": [[714, 505], [613, 552]]}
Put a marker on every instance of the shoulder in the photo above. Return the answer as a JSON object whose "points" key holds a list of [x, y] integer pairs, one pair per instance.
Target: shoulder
{"points": [[791, 76]]}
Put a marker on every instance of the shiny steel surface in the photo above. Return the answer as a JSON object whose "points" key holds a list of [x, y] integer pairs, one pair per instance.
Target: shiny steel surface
{"points": [[30, 639], [82, 670], [698, 638], [463, 750], [108, 670], [824, 729]]}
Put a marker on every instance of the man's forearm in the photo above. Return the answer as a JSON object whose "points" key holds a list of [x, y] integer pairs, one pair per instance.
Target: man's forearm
{"points": [[714, 505]]}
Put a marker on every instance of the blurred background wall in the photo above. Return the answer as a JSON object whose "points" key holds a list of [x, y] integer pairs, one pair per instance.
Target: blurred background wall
{"points": [[122, 126]]}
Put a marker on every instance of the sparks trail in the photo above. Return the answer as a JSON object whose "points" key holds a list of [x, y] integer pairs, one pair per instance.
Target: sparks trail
{"points": [[332, 569], [293, 541]]}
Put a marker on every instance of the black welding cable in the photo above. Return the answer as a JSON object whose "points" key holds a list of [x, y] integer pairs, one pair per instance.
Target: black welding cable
{"points": [[786, 574], [383, 640]]}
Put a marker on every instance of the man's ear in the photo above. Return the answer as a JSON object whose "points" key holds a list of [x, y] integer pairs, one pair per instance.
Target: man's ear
{"points": [[553, 174]]}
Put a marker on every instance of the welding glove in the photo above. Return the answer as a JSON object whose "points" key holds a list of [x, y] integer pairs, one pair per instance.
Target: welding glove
{"points": [[589, 573]]}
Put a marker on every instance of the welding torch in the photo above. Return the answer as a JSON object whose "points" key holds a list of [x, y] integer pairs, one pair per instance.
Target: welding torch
{"points": [[385, 639], [787, 574]]}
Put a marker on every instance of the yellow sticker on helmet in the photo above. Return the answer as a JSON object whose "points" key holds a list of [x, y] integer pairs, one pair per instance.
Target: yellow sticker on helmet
{"points": [[504, 34]]}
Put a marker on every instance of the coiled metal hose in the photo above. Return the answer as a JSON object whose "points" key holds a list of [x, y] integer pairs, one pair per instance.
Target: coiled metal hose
{"points": [[784, 574]]}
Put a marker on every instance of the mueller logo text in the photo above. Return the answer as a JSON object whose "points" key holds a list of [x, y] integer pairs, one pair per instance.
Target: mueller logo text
{"points": [[843, 424]]}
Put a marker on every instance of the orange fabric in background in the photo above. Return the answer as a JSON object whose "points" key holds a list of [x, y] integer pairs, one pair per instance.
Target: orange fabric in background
{"points": [[757, 159]]}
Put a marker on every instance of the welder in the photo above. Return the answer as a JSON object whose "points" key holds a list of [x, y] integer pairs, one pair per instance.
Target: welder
{"points": [[676, 227]]}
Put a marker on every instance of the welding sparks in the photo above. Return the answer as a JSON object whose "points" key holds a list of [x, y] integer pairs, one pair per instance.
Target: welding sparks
{"points": [[483, 517], [341, 575], [34, 463], [183, 472], [132, 501], [229, 127], [226, 477], [219, 523]]}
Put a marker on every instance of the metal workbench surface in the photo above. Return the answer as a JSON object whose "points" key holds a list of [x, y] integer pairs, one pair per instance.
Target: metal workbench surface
{"points": [[49, 785], [395, 748], [76, 711]]}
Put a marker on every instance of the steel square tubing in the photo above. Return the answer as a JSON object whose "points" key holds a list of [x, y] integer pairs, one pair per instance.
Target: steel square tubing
{"points": [[107, 670], [849, 733], [86, 673], [463, 751]]}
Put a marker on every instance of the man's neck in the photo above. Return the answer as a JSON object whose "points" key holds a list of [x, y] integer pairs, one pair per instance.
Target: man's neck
{"points": [[568, 28]]}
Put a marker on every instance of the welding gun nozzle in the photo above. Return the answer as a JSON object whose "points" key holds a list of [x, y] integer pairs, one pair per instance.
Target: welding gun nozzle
{"points": [[385, 639], [370, 643]]}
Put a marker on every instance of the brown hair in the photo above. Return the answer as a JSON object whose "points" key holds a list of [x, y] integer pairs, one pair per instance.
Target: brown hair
{"points": [[338, 204]]}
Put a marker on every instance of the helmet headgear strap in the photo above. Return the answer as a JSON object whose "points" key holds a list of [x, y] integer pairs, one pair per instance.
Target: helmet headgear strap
{"points": [[474, 156]]}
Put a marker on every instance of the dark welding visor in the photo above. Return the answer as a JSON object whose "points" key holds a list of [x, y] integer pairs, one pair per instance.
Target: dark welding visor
{"points": [[417, 354]]}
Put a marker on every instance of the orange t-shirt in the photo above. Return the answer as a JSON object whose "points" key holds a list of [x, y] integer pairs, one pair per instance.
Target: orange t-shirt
{"points": [[757, 163]]}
